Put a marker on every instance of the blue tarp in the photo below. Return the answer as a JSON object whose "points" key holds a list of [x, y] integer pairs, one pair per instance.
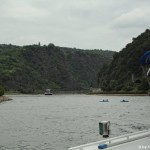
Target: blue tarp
{"points": [[102, 146], [145, 59]]}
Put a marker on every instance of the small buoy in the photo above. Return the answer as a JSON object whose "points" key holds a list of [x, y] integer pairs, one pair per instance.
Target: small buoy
{"points": [[102, 146]]}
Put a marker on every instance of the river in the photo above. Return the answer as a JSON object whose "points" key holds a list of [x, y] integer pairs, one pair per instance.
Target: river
{"points": [[39, 122]]}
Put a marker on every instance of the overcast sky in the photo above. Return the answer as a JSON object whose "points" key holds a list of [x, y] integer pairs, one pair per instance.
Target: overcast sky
{"points": [[87, 24]]}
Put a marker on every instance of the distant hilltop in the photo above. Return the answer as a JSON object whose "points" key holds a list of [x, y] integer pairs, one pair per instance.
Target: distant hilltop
{"points": [[34, 68]]}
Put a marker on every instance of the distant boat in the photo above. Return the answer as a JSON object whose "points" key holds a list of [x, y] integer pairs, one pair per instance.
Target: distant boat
{"points": [[124, 101], [104, 100], [48, 92]]}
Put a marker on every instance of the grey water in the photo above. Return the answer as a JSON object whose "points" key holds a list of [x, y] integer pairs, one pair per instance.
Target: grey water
{"points": [[39, 122]]}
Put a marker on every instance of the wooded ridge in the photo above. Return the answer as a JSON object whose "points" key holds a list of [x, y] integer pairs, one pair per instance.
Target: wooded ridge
{"points": [[125, 73], [34, 68]]}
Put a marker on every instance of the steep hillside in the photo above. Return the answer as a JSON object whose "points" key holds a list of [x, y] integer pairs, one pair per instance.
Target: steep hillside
{"points": [[33, 68], [125, 73]]}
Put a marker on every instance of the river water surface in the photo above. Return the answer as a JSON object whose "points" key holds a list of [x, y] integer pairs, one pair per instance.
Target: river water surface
{"points": [[39, 122]]}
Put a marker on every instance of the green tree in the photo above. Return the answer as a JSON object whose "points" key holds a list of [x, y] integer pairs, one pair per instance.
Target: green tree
{"points": [[113, 84]]}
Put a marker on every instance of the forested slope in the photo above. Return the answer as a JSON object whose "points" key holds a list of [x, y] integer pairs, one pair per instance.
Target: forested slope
{"points": [[125, 72], [33, 68]]}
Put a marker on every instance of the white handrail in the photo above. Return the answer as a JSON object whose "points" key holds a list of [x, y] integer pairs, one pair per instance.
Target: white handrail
{"points": [[116, 140]]}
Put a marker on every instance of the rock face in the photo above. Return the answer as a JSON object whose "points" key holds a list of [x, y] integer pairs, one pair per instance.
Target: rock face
{"points": [[4, 98]]}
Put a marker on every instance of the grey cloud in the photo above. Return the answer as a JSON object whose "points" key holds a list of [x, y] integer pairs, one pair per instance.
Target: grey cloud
{"points": [[138, 17], [75, 23]]}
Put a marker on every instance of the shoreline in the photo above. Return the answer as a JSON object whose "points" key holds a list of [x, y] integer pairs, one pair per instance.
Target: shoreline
{"points": [[4, 98], [88, 92], [118, 94], [67, 93]]}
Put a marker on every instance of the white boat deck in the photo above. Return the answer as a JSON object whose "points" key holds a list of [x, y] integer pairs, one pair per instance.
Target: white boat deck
{"points": [[134, 141], [134, 145]]}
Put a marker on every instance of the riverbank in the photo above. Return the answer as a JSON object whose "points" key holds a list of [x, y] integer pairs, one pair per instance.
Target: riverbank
{"points": [[98, 91], [111, 94], [4, 98], [121, 93], [92, 91]]}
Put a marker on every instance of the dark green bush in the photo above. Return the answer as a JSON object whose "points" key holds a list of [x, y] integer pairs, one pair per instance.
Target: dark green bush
{"points": [[2, 91], [128, 88]]}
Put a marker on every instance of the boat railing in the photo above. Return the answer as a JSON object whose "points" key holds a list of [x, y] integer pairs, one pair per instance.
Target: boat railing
{"points": [[116, 140]]}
